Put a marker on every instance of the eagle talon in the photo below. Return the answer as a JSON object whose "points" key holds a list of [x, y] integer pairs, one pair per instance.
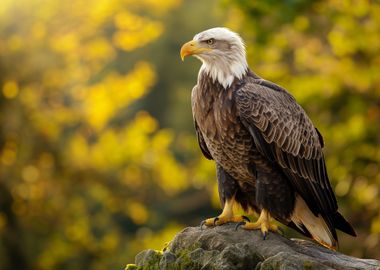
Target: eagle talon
{"points": [[215, 221], [202, 223], [263, 224], [241, 223], [226, 216], [246, 218]]}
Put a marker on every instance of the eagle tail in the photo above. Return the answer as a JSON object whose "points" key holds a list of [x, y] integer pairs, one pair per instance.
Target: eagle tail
{"points": [[320, 228]]}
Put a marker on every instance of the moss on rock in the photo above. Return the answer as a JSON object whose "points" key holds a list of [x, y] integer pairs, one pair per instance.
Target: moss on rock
{"points": [[148, 260], [131, 266]]}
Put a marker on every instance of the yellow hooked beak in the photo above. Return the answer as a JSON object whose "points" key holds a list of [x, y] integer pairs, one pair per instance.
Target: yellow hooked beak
{"points": [[192, 47]]}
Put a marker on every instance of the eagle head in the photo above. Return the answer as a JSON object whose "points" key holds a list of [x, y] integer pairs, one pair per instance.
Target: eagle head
{"points": [[222, 53]]}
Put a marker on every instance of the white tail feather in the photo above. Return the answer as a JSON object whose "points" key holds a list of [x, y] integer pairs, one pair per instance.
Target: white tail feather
{"points": [[316, 225]]}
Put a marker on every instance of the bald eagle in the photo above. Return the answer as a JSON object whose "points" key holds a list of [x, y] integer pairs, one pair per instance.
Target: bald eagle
{"points": [[268, 153]]}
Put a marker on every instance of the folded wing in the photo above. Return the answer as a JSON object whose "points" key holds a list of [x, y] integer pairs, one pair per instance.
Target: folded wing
{"points": [[285, 135]]}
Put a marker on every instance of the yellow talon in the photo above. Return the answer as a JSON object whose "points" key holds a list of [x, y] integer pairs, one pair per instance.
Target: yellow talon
{"points": [[225, 217], [220, 220], [263, 223]]}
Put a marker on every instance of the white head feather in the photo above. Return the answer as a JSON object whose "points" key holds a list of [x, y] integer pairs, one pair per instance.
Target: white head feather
{"points": [[226, 63]]}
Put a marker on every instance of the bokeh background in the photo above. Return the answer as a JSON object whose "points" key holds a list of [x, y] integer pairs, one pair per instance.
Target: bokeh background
{"points": [[98, 158]]}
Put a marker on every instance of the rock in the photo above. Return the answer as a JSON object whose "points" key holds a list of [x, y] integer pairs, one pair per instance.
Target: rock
{"points": [[167, 260], [222, 248], [148, 259]]}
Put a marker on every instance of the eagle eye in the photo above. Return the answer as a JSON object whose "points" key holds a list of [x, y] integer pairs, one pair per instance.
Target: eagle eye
{"points": [[210, 41]]}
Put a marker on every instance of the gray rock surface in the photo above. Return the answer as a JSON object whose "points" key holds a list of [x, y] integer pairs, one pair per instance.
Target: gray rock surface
{"points": [[222, 248]]}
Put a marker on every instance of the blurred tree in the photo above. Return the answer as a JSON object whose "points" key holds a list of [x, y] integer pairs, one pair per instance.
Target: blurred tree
{"points": [[327, 54], [81, 170], [171, 94]]}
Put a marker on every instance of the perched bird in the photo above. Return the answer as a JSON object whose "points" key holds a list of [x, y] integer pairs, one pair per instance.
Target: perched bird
{"points": [[268, 153]]}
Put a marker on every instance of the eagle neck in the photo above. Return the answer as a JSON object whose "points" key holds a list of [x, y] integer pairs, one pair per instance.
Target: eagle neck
{"points": [[208, 83], [225, 74]]}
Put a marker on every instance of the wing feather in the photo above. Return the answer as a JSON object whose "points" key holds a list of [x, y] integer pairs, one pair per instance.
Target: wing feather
{"points": [[284, 134], [201, 141]]}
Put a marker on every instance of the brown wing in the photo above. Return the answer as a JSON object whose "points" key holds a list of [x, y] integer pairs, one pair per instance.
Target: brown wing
{"points": [[201, 141], [284, 134]]}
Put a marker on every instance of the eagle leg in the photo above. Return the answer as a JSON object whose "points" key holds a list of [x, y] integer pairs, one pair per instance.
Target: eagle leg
{"points": [[263, 223], [226, 216]]}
